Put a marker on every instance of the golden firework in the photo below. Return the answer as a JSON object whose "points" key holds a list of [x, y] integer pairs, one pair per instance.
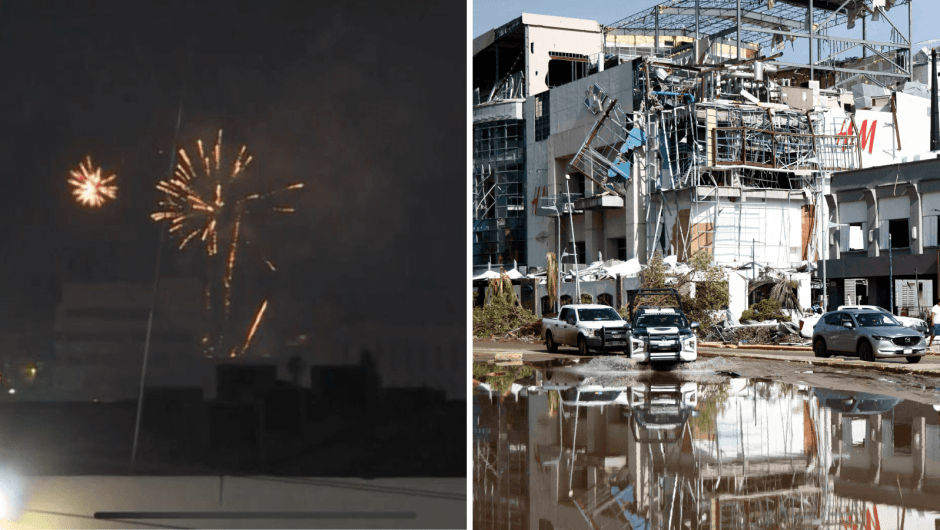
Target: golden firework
{"points": [[199, 201], [90, 188]]}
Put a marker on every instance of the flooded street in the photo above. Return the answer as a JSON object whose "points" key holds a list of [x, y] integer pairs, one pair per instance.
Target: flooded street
{"points": [[605, 443]]}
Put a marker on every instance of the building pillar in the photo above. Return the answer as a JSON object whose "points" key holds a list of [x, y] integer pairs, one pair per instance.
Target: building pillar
{"points": [[919, 450], [874, 449], [835, 249], [874, 227], [594, 235], [917, 219]]}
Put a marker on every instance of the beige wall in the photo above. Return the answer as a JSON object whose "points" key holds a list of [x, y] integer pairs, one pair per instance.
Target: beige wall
{"points": [[558, 34]]}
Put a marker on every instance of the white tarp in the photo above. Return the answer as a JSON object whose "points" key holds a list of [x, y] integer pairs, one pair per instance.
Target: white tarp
{"points": [[488, 275]]}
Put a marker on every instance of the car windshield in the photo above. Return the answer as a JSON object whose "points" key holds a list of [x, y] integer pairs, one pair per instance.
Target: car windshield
{"points": [[661, 320], [605, 313], [871, 320]]}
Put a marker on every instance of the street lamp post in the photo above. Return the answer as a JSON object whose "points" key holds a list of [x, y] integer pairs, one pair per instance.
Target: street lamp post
{"points": [[569, 203]]}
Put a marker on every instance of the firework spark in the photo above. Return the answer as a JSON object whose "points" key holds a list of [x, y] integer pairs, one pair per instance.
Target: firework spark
{"points": [[199, 201], [90, 188], [254, 327]]}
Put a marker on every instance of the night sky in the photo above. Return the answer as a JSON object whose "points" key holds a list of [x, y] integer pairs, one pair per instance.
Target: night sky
{"points": [[363, 103]]}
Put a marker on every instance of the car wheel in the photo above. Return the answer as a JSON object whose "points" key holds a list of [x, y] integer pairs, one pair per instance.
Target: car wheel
{"points": [[582, 347], [914, 359], [819, 348], [550, 343], [865, 352]]}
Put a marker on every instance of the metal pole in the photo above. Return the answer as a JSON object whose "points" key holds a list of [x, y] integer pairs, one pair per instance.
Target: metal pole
{"points": [[577, 283], [558, 265], [917, 292], [864, 38], [891, 272], [934, 110], [738, 32], [910, 43], [656, 33], [753, 270], [153, 301], [696, 22], [812, 72], [821, 256]]}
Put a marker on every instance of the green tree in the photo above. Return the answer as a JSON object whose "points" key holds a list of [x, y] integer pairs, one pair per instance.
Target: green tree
{"points": [[711, 288], [768, 309], [711, 291]]}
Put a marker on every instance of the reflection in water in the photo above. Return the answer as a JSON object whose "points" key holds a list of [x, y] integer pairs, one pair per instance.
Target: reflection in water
{"points": [[568, 453]]}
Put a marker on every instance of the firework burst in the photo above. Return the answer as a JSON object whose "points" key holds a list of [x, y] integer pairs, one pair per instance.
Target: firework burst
{"points": [[89, 187], [200, 201]]}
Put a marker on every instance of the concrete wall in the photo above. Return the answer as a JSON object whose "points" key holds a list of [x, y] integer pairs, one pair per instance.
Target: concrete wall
{"points": [[558, 34], [570, 123], [766, 218]]}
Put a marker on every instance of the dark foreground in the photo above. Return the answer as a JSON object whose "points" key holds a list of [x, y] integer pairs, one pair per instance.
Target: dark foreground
{"points": [[285, 435]]}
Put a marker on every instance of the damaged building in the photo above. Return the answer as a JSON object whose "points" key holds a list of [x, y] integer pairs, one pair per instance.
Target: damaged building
{"points": [[688, 127]]}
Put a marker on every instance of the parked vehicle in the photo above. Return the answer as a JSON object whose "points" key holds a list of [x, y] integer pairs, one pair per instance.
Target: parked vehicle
{"points": [[661, 410], [869, 334], [661, 333], [588, 327], [807, 324]]}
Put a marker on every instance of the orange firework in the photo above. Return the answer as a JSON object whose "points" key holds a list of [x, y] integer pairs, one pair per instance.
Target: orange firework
{"points": [[90, 188], [198, 196], [199, 200]]}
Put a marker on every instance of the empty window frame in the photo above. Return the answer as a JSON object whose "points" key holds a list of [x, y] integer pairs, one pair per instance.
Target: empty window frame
{"points": [[853, 237], [899, 230]]}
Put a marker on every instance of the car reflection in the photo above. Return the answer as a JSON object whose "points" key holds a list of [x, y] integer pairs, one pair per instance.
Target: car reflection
{"points": [[670, 453]]}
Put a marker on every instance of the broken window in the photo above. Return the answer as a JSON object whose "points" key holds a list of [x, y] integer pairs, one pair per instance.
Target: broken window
{"points": [[902, 438], [605, 299], [542, 114], [899, 231], [859, 426], [564, 68], [581, 251], [852, 239], [617, 248]]}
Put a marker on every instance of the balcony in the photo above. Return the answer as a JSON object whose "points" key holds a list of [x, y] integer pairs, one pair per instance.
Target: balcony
{"points": [[561, 204]]}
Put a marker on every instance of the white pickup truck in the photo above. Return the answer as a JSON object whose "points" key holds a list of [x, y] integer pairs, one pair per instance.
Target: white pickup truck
{"points": [[589, 327]]}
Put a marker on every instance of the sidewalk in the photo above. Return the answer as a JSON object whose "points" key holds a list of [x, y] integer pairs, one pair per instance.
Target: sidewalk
{"points": [[517, 352]]}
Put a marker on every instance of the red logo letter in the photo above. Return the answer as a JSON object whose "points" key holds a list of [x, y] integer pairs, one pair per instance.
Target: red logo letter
{"points": [[868, 135]]}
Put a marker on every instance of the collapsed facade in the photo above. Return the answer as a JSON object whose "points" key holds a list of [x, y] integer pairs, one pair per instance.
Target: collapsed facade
{"points": [[687, 129]]}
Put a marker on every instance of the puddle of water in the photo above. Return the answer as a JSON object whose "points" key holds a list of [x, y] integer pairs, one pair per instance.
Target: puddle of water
{"points": [[609, 444]]}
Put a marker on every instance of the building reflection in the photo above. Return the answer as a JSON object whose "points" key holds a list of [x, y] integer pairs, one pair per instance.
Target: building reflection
{"points": [[565, 452]]}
